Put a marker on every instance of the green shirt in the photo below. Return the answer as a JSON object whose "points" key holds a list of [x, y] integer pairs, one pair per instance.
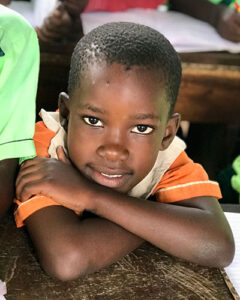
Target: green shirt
{"points": [[19, 67]]}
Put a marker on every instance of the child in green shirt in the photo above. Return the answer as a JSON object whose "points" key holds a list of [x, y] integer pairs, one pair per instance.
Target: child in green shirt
{"points": [[19, 65]]}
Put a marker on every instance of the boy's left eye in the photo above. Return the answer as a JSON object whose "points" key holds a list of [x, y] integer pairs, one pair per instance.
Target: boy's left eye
{"points": [[142, 129], [93, 121]]}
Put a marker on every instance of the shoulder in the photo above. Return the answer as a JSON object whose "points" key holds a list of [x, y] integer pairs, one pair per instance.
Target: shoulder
{"points": [[8, 16], [14, 28], [42, 138], [185, 179]]}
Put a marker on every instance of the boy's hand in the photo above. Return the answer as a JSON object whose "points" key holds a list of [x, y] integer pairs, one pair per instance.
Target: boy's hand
{"points": [[228, 25], [56, 179]]}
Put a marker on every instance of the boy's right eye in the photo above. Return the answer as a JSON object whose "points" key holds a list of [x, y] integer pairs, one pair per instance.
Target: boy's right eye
{"points": [[92, 121]]}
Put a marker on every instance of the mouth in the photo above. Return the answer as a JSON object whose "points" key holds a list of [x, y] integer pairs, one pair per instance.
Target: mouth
{"points": [[110, 178]]}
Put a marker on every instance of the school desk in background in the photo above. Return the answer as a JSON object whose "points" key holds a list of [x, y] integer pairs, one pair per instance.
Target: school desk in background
{"points": [[186, 34]]}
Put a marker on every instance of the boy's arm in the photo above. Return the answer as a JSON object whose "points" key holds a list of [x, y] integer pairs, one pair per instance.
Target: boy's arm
{"points": [[8, 169], [193, 229], [69, 247], [224, 19]]}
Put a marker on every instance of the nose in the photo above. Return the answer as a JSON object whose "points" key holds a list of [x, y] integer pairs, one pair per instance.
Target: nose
{"points": [[113, 152]]}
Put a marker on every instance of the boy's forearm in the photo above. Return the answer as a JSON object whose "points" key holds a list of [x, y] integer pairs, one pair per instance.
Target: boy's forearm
{"points": [[7, 177], [190, 225], [200, 9]]}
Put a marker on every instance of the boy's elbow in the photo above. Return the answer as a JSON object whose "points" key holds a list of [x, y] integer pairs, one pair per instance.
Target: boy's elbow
{"points": [[226, 253], [66, 265], [219, 253]]}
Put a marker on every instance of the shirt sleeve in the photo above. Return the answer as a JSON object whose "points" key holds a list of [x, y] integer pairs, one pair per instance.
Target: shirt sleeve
{"points": [[19, 67], [184, 180], [42, 139]]}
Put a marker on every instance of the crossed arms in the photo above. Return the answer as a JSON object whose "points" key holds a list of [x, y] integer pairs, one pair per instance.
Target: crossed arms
{"points": [[68, 246]]}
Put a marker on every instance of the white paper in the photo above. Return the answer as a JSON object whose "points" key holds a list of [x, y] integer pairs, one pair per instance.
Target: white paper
{"points": [[186, 34], [3, 290], [233, 270]]}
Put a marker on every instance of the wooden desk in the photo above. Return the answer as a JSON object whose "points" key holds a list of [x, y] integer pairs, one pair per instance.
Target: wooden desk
{"points": [[210, 93], [145, 274]]}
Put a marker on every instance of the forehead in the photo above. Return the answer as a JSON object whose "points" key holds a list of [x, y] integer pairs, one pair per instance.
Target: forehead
{"points": [[138, 85]]}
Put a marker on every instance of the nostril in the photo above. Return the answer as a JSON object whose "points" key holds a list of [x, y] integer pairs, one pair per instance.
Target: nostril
{"points": [[113, 152]]}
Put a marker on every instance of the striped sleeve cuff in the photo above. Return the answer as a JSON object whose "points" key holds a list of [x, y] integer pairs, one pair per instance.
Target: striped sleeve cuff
{"points": [[27, 208], [188, 190]]}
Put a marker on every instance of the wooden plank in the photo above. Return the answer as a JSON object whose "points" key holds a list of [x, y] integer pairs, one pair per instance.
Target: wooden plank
{"points": [[210, 93]]}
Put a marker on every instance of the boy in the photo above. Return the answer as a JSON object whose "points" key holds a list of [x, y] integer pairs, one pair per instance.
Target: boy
{"points": [[121, 144], [19, 63]]}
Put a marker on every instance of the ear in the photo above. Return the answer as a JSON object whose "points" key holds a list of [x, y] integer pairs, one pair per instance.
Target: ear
{"points": [[63, 105], [170, 131]]}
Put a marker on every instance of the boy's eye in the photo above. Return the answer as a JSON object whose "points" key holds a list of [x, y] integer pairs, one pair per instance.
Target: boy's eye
{"points": [[93, 121], [142, 129]]}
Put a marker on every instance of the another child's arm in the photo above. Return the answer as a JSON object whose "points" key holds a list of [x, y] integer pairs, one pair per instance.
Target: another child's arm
{"points": [[8, 169], [193, 229], [19, 66], [224, 19], [63, 25]]}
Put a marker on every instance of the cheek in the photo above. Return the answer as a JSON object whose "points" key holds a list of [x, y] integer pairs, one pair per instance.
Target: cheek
{"points": [[80, 145], [145, 155]]}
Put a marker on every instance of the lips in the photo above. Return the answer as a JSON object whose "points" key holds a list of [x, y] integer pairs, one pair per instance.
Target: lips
{"points": [[109, 177]]}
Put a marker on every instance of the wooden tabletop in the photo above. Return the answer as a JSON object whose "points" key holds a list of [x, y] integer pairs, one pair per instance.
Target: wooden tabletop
{"points": [[147, 273]]}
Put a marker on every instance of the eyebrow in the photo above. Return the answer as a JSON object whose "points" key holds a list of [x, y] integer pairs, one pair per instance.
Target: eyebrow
{"points": [[145, 116], [140, 116], [93, 108]]}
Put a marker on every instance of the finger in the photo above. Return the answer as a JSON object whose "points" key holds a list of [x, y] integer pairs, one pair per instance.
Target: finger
{"points": [[32, 162], [52, 30], [41, 36], [30, 189], [62, 155], [29, 167], [50, 33], [25, 172], [25, 181]]}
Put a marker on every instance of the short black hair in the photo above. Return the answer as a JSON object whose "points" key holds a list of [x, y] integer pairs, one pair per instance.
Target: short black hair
{"points": [[131, 45]]}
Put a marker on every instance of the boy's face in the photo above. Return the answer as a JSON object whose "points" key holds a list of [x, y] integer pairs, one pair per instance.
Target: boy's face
{"points": [[117, 123]]}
